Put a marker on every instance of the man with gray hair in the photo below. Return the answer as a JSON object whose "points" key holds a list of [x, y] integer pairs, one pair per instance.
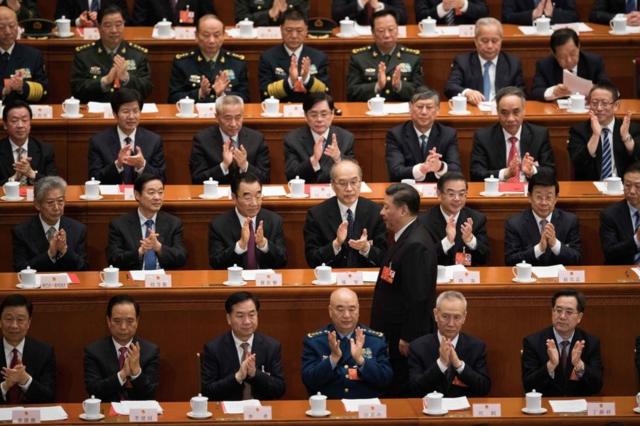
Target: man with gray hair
{"points": [[480, 74], [420, 148], [449, 361], [511, 150], [50, 241], [227, 149]]}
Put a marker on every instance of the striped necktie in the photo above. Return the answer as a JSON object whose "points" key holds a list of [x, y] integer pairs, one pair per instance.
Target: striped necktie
{"points": [[450, 18], [606, 154], [486, 81]]}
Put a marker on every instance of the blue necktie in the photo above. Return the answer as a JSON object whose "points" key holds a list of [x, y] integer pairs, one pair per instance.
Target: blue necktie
{"points": [[150, 260], [95, 5], [424, 147], [606, 154], [450, 18], [486, 81], [631, 6]]}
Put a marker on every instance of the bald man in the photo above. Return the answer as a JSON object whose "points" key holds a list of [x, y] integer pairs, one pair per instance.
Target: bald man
{"points": [[345, 359]]}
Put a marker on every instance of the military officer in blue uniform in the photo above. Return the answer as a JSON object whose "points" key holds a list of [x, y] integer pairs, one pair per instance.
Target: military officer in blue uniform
{"points": [[292, 69], [101, 67], [265, 13], [21, 67], [208, 72], [385, 68], [346, 359]]}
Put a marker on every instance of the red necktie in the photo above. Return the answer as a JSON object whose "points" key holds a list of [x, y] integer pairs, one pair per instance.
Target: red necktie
{"points": [[251, 249], [14, 394], [513, 153]]}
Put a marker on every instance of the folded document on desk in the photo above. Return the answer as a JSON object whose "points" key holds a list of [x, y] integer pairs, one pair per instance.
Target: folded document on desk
{"points": [[351, 405], [122, 408], [569, 406], [237, 407]]}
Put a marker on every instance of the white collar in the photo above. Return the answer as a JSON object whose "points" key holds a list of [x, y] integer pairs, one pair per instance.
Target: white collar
{"points": [[296, 52], [226, 137], [25, 145], [454, 341], [122, 135], [419, 133], [507, 135], [398, 234], [446, 217], [538, 218], [317, 136], [143, 219], [560, 339], [483, 61], [242, 219], [118, 345], [9, 50], [46, 226], [8, 348], [238, 342], [343, 208]]}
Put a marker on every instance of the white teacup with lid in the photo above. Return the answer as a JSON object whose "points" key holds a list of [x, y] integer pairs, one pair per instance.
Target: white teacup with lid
{"points": [[427, 26], [163, 28], [323, 274], [92, 189], [347, 27], [27, 277]]}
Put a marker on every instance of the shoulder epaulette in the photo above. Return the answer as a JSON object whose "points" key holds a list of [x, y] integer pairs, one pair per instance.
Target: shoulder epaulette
{"points": [[140, 48], [84, 46], [184, 54], [317, 333], [361, 49], [373, 333], [235, 55], [409, 50]]}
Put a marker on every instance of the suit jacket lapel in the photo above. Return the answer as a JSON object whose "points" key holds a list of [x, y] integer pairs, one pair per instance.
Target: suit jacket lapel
{"points": [[37, 232], [476, 72], [501, 72], [411, 138], [6, 158], [136, 229], [525, 141], [114, 142], [498, 137], [333, 213], [230, 348], [531, 226], [33, 151]]}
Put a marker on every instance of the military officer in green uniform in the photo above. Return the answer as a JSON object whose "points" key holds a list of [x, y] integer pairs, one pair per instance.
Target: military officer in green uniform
{"points": [[208, 72], [385, 68], [346, 359], [101, 67], [265, 13], [292, 69]]}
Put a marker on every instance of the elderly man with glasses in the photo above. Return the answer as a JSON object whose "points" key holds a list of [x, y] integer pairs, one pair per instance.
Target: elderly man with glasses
{"points": [[603, 146], [345, 231]]}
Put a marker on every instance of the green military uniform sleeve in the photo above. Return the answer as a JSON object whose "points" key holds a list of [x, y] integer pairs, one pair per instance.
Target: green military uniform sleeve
{"points": [[140, 76], [362, 75], [86, 71]]}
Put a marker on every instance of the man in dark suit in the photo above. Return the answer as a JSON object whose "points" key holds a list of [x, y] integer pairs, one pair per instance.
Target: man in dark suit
{"points": [[524, 12], [242, 363], [345, 359], [267, 12], [620, 223], [22, 74], [311, 151], [85, 14], [122, 366], [385, 68], [50, 241], [566, 55], [511, 150], [451, 12], [404, 294], [461, 231], [118, 155], [291, 70], [208, 72], [23, 158], [603, 11], [563, 360], [449, 361], [247, 236], [28, 365], [147, 238], [422, 149], [479, 75], [147, 13], [603, 146], [361, 11], [542, 235], [345, 231], [225, 150]]}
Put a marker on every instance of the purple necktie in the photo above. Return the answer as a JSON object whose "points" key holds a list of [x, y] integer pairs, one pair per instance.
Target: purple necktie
{"points": [[251, 248]]}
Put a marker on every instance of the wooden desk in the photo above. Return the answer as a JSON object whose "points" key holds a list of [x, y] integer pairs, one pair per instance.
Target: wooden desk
{"points": [[71, 137], [438, 54], [181, 319], [182, 200], [399, 411]]}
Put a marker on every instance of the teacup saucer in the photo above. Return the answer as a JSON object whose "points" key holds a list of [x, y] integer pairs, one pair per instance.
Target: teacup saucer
{"points": [[491, 194], [436, 34], [276, 115], [316, 282], [613, 194], [5, 198], [538, 411], [445, 281], [193, 415], [65, 115], [206, 197], [619, 33], [440, 412], [636, 410], [543, 34], [84, 197], [529, 281], [88, 417], [65, 35], [579, 111], [155, 35], [181, 115], [376, 114], [290, 195], [342, 35], [105, 285], [30, 287], [465, 112], [324, 413], [233, 284]]}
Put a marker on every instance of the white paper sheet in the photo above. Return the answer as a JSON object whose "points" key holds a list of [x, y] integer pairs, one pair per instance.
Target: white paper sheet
{"points": [[237, 407], [50, 414], [451, 269], [250, 274], [351, 405], [149, 108], [5, 413], [600, 186], [110, 190], [62, 276], [96, 107], [547, 271], [273, 191], [452, 404], [579, 27], [637, 271], [363, 30], [206, 109], [397, 108], [448, 31], [576, 84], [369, 276], [139, 275], [122, 408], [568, 406]]}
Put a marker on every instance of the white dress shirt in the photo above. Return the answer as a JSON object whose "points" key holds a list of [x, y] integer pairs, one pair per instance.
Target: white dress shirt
{"points": [[507, 146], [8, 356], [316, 164], [537, 251], [454, 342], [446, 245], [242, 219], [122, 136], [442, 13], [118, 346], [492, 76], [239, 342], [415, 171]]}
